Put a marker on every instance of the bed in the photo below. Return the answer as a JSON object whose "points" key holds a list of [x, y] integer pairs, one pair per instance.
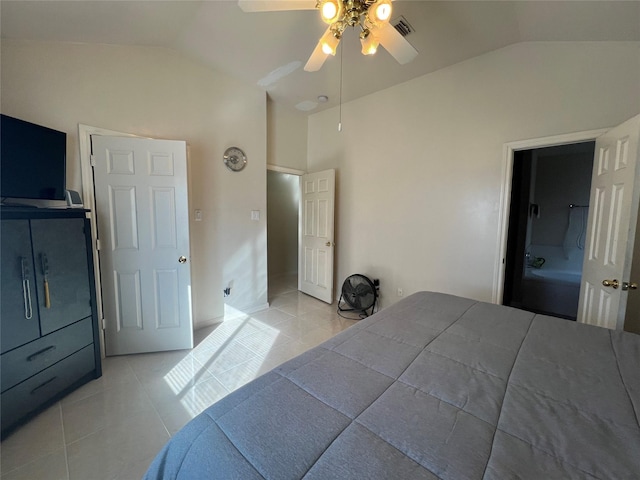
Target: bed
{"points": [[434, 386]]}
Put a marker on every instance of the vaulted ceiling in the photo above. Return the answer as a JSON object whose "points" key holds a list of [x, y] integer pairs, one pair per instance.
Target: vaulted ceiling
{"points": [[269, 49]]}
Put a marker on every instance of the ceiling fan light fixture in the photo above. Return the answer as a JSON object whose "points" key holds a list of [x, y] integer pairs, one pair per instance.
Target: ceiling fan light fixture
{"points": [[330, 10], [329, 42], [379, 12], [369, 43]]}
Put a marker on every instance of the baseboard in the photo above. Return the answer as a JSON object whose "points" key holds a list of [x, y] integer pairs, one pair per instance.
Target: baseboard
{"points": [[235, 313], [207, 323], [254, 309]]}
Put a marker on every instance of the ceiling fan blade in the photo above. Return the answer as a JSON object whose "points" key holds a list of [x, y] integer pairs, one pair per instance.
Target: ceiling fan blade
{"points": [[316, 60], [275, 5], [395, 44]]}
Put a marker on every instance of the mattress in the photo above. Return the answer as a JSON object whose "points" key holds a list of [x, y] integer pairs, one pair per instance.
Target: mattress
{"points": [[434, 386]]}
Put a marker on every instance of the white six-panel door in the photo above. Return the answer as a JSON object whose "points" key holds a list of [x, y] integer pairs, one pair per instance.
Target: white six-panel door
{"points": [[315, 276], [143, 229], [615, 194]]}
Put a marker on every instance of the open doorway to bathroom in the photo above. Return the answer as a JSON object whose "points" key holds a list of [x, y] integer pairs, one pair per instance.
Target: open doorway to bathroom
{"points": [[283, 201], [547, 228]]}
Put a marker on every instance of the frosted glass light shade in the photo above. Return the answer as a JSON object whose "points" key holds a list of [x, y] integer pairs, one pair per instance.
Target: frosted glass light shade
{"points": [[369, 44], [380, 12], [330, 11], [329, 43]]}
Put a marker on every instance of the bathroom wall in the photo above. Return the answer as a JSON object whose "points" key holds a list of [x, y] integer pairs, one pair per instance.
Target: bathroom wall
{"points": [[562, 177], [283, 198]]}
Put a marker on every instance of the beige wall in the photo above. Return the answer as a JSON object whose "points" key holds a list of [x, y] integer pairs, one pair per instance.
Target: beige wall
{"points": [[418, 198], [417, 202], [287, 137], [158, 93]]}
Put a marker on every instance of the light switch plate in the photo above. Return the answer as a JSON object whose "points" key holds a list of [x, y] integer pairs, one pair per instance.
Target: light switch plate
{"points": [[255, 215], [198, 215]]}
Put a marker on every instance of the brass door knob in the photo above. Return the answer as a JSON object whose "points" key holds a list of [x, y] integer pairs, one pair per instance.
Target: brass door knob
{"points": [[611, 283], [629, 286], [182, 259]]}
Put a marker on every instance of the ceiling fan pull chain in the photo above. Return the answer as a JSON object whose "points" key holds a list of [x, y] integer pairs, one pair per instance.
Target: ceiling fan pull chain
{"points": [[340, 101]]}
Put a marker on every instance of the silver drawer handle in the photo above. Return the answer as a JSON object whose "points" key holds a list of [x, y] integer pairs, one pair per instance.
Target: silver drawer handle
{"points": [[26, 289]]}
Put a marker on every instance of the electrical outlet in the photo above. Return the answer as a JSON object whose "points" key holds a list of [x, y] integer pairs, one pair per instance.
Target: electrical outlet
{"points": [[400, 292]]}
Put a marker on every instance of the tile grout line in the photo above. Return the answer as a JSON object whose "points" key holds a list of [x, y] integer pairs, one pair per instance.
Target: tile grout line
{"points": [[64, 441], [298, 306], [144, 389]]}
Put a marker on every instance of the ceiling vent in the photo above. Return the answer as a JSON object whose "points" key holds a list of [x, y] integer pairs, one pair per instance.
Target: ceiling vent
{"points": [[402, 26]]}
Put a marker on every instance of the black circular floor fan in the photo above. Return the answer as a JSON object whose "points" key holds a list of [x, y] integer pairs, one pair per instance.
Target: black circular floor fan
{"points": [[360, 294]]}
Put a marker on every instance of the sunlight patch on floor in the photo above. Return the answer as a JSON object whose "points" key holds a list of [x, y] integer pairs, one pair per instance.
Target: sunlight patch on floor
{"points": [[241, 340]]}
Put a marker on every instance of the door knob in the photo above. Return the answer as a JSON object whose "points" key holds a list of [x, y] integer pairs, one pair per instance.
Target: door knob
{"points": [[182, 259], [629, 286], [328, 244], [611, 283]]}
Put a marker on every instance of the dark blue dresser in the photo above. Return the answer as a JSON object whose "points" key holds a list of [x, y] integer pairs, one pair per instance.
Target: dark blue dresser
{"points": [[49, 335]]}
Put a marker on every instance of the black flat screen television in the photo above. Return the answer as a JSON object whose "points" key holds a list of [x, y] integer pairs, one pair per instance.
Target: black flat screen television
{"points": [[32, 160]]}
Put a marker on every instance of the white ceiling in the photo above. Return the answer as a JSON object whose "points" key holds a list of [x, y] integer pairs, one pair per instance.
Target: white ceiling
{"points": [[270, 49]]}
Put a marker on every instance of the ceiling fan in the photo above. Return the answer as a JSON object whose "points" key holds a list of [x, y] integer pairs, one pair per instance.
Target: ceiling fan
{"points": [[371, 16]]}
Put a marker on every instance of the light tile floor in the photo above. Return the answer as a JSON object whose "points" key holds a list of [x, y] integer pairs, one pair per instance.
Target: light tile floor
{"points": [[112, 427]]}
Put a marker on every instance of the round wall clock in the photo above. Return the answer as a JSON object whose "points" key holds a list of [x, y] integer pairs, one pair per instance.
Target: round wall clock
{"points": [[235, 159]]}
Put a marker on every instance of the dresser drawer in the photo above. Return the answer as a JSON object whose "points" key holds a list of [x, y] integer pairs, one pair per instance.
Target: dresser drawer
{"points": [[27, 396], [26, 361]]}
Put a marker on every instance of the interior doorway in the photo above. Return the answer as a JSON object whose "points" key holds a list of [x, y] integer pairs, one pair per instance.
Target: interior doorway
{"points": [[283, 205], [547, 228]]}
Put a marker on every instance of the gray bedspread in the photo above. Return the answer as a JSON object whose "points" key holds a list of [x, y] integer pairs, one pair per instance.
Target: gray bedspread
{"points": [[435, 386]]}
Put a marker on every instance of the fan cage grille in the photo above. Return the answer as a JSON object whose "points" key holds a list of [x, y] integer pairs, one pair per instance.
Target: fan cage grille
{"points": [[360, 294]]}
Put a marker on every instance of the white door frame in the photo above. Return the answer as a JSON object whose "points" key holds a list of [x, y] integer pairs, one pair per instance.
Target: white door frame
{"points": [[290, 171], [88, 198], [508, 152]]}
